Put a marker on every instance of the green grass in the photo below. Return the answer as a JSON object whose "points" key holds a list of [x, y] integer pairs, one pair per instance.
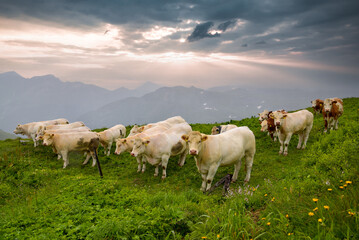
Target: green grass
{"points": [[40, 200]]}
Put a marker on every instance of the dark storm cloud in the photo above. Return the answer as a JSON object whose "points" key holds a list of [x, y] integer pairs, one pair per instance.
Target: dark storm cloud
{"points": [[223, 26], [202, 31]]}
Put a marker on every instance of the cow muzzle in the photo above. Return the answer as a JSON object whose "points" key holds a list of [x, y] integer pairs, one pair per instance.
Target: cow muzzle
{"points": [[193, 152], [133, 155]]}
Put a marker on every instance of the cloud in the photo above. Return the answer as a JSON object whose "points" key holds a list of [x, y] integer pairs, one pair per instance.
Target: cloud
{"points": [[202, 31], [224, 26]]}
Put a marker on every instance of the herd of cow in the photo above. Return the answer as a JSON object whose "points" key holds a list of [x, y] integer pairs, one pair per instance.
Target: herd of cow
{"points": [[155, 143]]}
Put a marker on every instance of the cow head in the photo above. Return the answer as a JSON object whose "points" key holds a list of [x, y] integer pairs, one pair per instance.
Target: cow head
{"points": [[48, 139], [134, 130], [19, 129], [122, 145], [215, 130], [139, 146], [264, 126], [194, 140], [263, 115], [278, 117], [328, 104]]}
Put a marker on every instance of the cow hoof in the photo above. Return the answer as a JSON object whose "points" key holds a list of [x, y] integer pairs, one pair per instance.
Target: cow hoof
{"points": [[298, 147], [280, 152], [285, 153], [163, 177], [155, 175]]}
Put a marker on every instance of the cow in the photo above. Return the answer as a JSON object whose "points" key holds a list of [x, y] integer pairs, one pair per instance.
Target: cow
{"points": [[31, 129], [287, 124], [169, 122], [317, 105], [158, 148], [126, 144], [268, 126], [63, 143], [332, 110], [107, 137], [264, 115], [228, 148], [222, 128], [42, 129]]}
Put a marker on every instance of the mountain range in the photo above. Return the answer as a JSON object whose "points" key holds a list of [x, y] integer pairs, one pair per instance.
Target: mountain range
{"points": [[39, 98]]}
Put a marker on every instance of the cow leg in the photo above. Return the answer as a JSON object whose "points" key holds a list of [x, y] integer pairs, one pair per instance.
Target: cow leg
{"points": [[204, 183], [237, 167], [87, 158], [286, 143], [325, 125], [211, 172], [249, 162], [182, 158], [306, 136], [281, 141], [275, 135], [109, 148], [164, 165], [93, 158], [156, 171], [138, 159], [65, 158], [301, 137], [143, 164], [33, 136], [58, 156]]}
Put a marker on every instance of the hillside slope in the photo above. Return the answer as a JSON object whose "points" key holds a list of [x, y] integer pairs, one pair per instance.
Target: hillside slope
{"points": [[5, 135], [309, 194]]}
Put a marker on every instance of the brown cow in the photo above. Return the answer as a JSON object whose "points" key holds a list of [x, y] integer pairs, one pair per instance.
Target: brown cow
{"points": [[317, 105], [332, 110]]}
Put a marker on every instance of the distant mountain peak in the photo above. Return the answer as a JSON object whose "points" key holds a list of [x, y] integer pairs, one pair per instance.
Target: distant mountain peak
{"points": [[10, 74]]}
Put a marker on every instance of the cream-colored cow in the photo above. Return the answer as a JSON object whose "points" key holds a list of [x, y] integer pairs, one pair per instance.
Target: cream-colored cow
{"points": [[300, 123], [228, 148], [31, 129], [332, 110], [222, 128], [158, 148], [110, 135], [63, 143]]}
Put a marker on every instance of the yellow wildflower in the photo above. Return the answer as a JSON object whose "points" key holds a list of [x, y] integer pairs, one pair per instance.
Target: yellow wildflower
{"points": [[345, 185], [287, 216], [320, 220], [329, 189], [263, 218], [315, 209], [315, 199], [204, 237], [348, 182], [326, 207], [265, 195], [311, 214], [217, 235], [341, 187], [290, 234], [268, 223], [341, 180], [273, 199], [285, 188], [351, 213]]}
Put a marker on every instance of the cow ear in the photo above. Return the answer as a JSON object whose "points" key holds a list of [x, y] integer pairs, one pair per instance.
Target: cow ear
{"points": [[334, 101], [271, 115], [284, 116], [204, 138], [141, 129], [52, 134], [185, 137], [146, 142], [124, 141]]}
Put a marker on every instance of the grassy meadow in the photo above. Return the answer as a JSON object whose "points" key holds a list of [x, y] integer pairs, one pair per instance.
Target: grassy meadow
{"points": [[309, 194]]}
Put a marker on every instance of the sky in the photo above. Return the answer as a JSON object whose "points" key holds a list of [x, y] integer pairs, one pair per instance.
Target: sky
{"points": [[208, 43]]}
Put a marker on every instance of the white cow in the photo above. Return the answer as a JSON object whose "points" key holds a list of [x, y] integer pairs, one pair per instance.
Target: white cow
{"points": [[300, 123], [76, 125], [169, 122], [228, 148], [63, 143], [160, 147], [126, 144], [222, 128], [107, 137], [31, 129]]}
